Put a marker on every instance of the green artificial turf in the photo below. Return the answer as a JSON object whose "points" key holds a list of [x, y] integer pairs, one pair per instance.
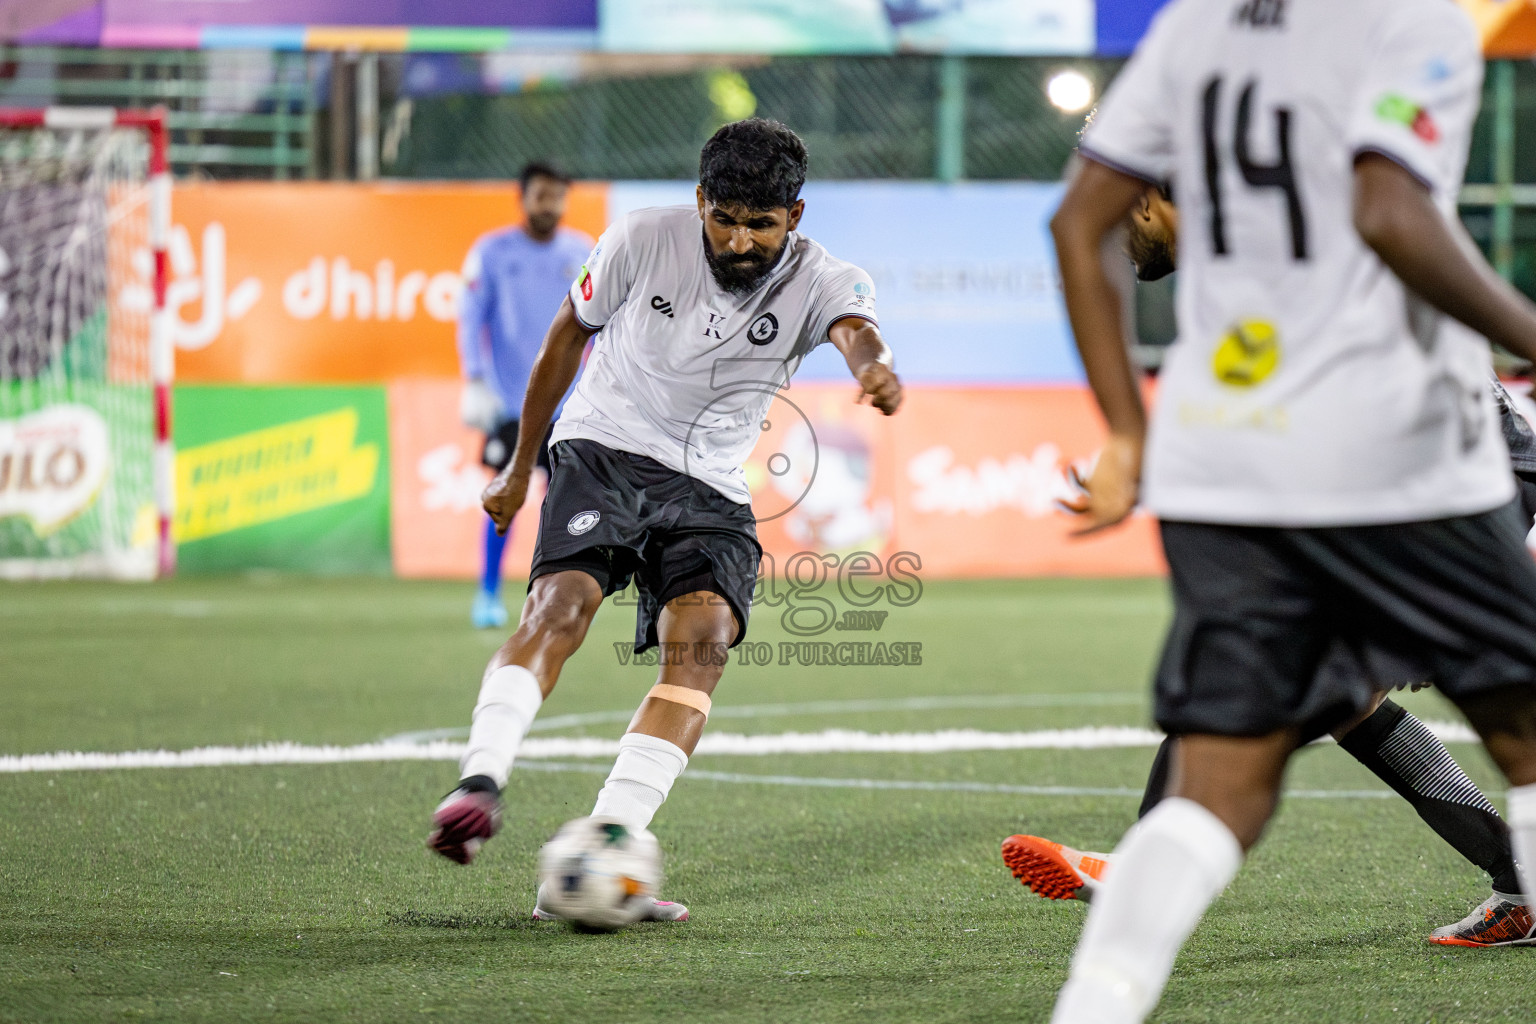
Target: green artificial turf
{"points": [[303, 893]]}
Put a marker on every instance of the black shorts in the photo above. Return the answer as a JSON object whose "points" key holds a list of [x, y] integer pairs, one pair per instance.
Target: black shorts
{"points": [[616, 515], [1525, 483], [501, 444], [1275, 628]]}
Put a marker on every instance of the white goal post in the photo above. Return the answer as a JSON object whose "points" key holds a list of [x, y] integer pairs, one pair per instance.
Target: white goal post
{"points": [[87, 469]]}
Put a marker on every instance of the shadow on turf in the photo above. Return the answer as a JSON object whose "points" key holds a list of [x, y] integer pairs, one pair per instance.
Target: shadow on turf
{"points": [[418, 919], [1311, 949]]}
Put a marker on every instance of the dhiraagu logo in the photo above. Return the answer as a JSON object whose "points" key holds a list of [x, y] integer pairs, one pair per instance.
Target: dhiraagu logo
{"points": [[1247, 354], [271, 474]]}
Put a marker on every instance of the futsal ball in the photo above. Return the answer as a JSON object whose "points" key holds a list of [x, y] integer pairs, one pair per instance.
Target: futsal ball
{"points": [[599, 874]]}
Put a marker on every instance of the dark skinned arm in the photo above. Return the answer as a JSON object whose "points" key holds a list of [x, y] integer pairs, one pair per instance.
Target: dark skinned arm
{"points": [[1095, 205], [555, 367], [1397, 217], [870, 360]]}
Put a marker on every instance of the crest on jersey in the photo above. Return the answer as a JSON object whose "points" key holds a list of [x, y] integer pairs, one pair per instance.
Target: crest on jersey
{"points": [[1247, 355], [585, 280], [763, 330], [581, 522]]}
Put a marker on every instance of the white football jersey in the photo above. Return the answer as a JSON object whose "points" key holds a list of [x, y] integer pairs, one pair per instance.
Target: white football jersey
{"points": [[1307, 386], [683, 371]]}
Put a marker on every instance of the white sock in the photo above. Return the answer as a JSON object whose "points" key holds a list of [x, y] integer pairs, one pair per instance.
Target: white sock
{"points": [[1522, 827], [642, 777], [509, 699], [1167, 871]]}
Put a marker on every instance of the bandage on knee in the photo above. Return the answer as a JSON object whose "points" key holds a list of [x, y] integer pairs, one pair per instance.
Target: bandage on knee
{"points": [[696, 699]]}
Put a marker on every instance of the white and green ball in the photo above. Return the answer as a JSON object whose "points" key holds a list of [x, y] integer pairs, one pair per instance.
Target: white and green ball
{"points": [[600, 874]]}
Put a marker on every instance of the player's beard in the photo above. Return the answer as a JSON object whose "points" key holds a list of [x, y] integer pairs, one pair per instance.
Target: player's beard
{"points": [[1154, 257], [740, 273], [543, 225]]}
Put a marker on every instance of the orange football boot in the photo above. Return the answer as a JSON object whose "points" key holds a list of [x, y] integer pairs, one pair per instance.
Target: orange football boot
{"points": [[1498, 921], [1052, 870]]}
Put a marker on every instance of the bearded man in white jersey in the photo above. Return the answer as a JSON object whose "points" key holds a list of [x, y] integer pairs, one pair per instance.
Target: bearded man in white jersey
{"points": [[696, 326], [1325, 458], [1388, 739]]}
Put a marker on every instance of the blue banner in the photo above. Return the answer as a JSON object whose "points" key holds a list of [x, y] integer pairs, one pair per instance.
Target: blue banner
{"points": [[965, 275], [1122, 23]]}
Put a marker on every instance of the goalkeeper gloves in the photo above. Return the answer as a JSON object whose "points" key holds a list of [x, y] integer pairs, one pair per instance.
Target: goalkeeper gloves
{"points": [[479, 408]]}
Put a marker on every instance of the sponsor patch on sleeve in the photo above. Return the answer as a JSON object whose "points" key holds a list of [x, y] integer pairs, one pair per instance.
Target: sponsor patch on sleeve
{"points": [[1394, 108]]}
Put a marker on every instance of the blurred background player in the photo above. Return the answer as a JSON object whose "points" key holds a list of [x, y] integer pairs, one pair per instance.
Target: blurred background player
{"points": [[514, 280], [1326, 461], [647, 483], [1390, 741]]}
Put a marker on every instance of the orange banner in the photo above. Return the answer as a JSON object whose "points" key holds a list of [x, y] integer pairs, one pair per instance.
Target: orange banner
{"points": [[308, 283], [964, 479], [436, 480], [980, 471]]}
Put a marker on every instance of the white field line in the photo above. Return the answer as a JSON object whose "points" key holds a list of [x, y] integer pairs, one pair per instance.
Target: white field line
{"points": [[821, 707], [828, 741], [738, 778]]}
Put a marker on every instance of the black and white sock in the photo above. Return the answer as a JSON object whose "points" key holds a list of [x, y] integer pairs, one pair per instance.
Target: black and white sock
{"points": [[1406, 756]]}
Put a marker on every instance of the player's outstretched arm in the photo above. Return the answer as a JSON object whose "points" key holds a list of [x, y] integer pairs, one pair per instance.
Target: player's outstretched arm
{"points": [[1397, 217], [870, 360], [554, 368], [1095, 204]]}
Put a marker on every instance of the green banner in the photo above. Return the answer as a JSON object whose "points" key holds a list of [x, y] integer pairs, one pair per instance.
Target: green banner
{"points": [[293, 478], [76, 458]]}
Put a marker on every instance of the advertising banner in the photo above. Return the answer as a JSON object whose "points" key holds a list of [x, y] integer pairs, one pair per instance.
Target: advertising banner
{"points": [[435, 491], [1106, 27], [848, 26], [19, 19], [282, 478], [964, 480], [506, 13], [965, 275], [323, 283], [434, 25], [1122, 23], [317, 283], [981, 472], [75, 484]]}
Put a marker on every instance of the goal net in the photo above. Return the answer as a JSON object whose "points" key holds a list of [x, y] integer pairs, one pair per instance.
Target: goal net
{"points": [[85, 359]]}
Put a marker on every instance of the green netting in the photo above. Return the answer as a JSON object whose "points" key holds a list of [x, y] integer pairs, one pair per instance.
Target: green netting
{"points": [[862, 117]]}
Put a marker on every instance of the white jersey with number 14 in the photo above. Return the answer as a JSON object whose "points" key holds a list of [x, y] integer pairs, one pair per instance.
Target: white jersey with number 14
{"points": [[1307, 386]]}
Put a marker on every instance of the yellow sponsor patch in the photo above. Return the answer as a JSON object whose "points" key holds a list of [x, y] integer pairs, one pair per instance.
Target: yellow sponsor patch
{"points": [[1247, 355], [272, 474]]}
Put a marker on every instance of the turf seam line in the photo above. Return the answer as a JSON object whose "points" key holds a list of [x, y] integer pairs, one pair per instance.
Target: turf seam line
{"points": [[937, 786]]}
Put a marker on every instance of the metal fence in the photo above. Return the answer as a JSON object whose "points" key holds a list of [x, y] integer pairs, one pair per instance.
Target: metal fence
{"points": [[259, 114], [861, 117], [232, 114]]}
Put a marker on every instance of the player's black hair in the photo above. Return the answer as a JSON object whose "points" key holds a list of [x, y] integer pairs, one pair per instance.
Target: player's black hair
{"points": [[540, 169], [756, 163]]}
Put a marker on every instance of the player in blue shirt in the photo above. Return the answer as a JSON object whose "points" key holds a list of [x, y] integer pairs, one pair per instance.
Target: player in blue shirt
{"points": [[514, 281]]}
